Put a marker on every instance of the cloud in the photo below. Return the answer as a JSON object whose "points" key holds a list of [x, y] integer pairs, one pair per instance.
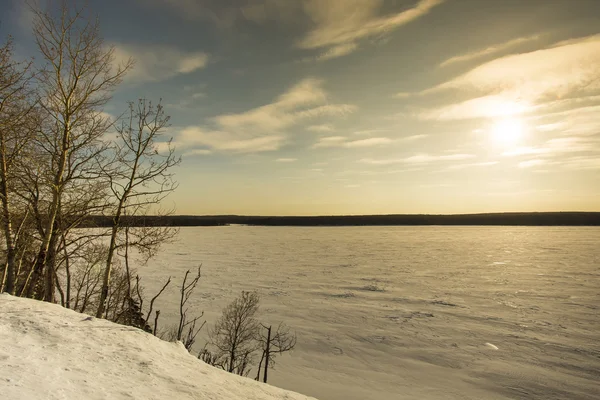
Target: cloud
{"points": [[264, 128], [369, 131], [330, 141], [579, 163], [419, 159], [403, 95], [196, 152], [227, 141], [286, 160], [158, 62], [302, 101], [339, 25], [187, 101], [531, 163], [341, 141], [375, 141], [519, 83], [580, 120], [575, 153], [337, 51], [426, 158], [554, 71], [481, 107], [471, 165], [321, 128], [488, 51], [557, 146]]}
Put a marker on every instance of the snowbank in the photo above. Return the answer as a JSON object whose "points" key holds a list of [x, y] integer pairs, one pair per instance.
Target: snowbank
{"points": [[49, 352]]}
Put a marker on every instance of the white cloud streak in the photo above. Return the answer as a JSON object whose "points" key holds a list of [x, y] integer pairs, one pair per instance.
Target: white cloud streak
{"points": [[339, 25], [489, 50], [337, 51], [324, 128], [419, 159], [341, 141], [515, 84], [156, 63], [552, 71], [265, 128]]}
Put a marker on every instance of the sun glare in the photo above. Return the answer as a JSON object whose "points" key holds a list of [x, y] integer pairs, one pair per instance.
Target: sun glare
{"points": [[507, 132]]}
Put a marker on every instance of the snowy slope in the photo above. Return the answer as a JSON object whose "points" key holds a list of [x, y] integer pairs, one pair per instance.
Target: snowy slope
{"points": [[49, 352]]}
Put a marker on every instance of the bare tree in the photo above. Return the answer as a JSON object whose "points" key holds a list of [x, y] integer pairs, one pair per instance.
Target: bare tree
{"points": [[151, 308], [16, 112], [186, 330], [234, 335], [140, 176], [75, 83], [273, 343]]}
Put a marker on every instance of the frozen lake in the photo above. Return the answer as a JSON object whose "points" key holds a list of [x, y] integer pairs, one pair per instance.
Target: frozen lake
{"points": [[410, 312]]}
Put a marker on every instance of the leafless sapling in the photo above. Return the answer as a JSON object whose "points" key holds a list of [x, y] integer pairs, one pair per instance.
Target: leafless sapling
{"points": [[273, 343], [234, 335]]}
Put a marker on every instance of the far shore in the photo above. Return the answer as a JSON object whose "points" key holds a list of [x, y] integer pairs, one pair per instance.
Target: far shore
{"points": [[491, 219]]}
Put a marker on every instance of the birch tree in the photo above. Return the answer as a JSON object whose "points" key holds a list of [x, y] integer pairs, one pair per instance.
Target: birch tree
{"points": [[140, 177], [16, 113], [75, 83]]}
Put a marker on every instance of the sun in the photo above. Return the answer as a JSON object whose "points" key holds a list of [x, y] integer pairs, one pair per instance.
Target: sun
{"points": [[507, 132]]}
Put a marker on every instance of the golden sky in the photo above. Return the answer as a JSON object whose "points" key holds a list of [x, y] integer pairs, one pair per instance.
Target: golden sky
{"points": [[367, 106]]}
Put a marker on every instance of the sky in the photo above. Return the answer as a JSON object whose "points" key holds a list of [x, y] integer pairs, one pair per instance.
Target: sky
{"points": [[318, 107]]}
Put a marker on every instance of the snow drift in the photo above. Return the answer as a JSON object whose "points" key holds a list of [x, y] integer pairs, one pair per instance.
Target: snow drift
{"points": [[49, 352]]}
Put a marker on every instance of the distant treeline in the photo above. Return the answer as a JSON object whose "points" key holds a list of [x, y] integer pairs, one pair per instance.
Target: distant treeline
{"points": [[514, 219]]}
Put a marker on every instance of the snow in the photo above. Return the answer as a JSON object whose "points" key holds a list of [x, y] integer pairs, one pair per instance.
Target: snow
{"points": [[389, 313], [49, 352]]}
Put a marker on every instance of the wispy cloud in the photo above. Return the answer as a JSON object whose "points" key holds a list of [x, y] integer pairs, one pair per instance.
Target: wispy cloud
{"points": [[321, 128], [580, 120], [515, 84], [303, 101], [286, 160], [226, 141], [367, 132], [337, 51], [553, 72], [489, 50], [579, 163], [481, 107], [196, 152], [531, 163], [471, 165], [341, 141], [565, 152], [155, 63], [419, 159], [404, 95], [558, 146], [339, 25], [375, 141], [265, 128]]}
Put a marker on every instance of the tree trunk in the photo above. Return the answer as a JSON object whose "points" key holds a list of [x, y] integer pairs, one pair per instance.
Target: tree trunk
{"points": [[267, 354], [49, 265], [9, 272], [108, 268]]}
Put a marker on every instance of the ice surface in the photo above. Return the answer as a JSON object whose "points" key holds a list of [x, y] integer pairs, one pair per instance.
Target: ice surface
{"points": [[407, 312], [49, 352]]}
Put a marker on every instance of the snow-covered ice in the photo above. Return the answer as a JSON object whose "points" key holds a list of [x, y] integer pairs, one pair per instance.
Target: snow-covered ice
{"points": [[388, 313], [49, 352]]}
